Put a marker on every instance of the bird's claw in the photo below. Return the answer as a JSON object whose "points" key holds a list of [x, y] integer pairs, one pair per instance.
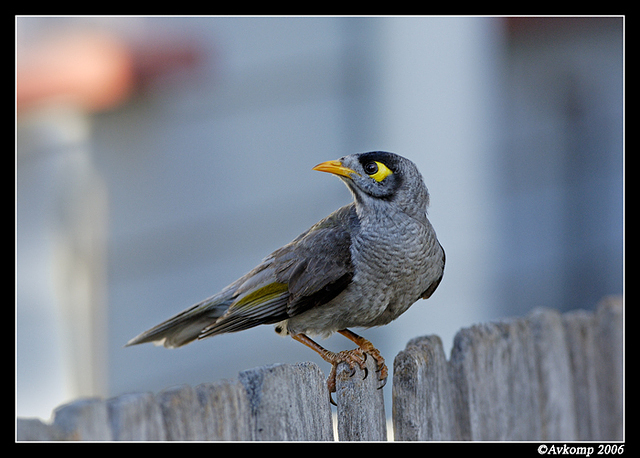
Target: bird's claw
{"points": [[381, 367], [383, 373], [331, 384], [384, 382], [352, 358]]}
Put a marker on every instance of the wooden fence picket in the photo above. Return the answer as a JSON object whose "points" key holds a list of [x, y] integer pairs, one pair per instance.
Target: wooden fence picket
{"points": [[544, 377]]}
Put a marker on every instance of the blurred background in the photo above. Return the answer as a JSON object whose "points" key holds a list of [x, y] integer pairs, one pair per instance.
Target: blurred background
{"points": [[160, 158]]}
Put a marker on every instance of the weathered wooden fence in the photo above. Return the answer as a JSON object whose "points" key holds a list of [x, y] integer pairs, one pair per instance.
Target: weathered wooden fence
{"points": [[545, 377]]}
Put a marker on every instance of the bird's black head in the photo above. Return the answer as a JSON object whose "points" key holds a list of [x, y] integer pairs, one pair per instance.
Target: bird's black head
{"points": [[381, 176]]}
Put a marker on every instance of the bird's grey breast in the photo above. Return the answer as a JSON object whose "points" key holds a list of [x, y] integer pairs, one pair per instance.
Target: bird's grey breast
{"points": [[393, 255]]}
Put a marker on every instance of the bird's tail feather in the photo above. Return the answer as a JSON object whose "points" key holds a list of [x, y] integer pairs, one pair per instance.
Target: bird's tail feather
{"points": [[185, 326]]}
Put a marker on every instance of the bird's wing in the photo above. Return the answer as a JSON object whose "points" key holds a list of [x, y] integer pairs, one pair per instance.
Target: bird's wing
{"points": [[434, 285], [310, 271], [185, 327]]}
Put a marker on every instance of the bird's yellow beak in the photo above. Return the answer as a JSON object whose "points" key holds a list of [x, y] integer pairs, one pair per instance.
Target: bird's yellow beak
{"points": [[336, 168]]}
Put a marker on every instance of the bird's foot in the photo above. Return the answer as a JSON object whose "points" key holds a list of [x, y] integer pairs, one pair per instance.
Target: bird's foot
{"points": [[352, 358], [368, 349], [358, 357]]}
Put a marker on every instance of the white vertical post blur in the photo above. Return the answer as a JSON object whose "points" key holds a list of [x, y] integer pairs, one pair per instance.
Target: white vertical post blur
{"points": [[440, 108], [62, 220]]}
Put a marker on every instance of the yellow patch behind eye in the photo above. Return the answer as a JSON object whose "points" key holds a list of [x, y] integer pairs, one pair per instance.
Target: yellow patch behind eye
{"points": [[382, 173]]}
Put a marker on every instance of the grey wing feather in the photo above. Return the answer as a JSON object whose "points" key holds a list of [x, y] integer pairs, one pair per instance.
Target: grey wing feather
{"points": [[309, 271], [433, 286], [186, 325], [322, 265]]}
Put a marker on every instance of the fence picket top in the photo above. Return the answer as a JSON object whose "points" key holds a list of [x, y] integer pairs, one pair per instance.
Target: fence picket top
{"points": [[408, 404], [288, 402], [423, 403], [480, 357], [136, 417], [33, 429], [557, 404], [82, 420], [522, 392], [225, 409], [546, 376], [182, 416], [360, 409], [579, 328], [609, 335]]}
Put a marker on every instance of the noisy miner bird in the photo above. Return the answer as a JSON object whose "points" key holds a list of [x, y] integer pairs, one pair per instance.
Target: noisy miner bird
{"points": [[362, 266]]}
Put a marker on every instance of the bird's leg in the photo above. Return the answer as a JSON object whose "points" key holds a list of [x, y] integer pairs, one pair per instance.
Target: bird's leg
{"points": [[351, 357], [368, 348]]}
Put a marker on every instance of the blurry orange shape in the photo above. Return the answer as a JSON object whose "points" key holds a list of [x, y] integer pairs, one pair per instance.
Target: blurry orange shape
{"points": [[90, 69]]}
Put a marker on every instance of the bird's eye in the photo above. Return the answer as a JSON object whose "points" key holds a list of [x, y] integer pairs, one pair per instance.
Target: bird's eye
{"points": [[377, 170], [371, 168]]}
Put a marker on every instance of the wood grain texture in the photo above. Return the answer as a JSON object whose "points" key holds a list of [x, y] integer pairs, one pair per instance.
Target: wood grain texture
{"points": [[544, 377]]}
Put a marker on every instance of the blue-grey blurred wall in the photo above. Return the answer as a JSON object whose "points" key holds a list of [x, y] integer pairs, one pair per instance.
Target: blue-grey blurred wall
{"points": [[128, 215]]}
